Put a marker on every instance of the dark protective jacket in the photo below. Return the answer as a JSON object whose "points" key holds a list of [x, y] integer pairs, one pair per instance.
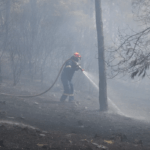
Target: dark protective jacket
{"points": [[69, 69]]}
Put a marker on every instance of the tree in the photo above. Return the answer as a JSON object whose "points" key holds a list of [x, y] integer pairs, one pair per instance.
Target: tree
{"points": [[5, 27], [101, 58], [133, 55], [40, 31]]}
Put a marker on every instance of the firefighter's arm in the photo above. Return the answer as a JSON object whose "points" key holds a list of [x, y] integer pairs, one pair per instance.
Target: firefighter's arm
{"points": [[78, 66], [68, 65]]}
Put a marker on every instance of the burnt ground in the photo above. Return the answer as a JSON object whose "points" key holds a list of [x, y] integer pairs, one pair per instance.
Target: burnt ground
{"points": [[45, 123]]}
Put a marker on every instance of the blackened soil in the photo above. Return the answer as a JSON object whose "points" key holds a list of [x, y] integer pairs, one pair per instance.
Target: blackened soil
{"points": [[68, 125]]}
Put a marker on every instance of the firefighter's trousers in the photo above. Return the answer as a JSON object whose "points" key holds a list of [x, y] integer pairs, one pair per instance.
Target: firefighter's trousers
{"points": [[68, 89]]}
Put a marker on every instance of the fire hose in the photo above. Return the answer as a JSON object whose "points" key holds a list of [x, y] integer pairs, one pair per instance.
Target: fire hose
{"points": [[23, 96]]}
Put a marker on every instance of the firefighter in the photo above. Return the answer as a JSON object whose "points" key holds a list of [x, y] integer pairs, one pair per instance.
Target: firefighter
{"points": [[69, 69]]}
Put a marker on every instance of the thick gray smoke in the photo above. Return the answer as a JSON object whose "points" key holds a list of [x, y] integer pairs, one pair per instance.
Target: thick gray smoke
{"points": [[38, 36]]}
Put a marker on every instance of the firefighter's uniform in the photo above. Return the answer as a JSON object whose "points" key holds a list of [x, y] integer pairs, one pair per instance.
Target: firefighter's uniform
{"points": [[69, 69]]}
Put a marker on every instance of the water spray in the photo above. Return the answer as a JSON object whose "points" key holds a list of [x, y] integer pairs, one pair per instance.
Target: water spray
{"points": [[110, 101], [86, 74]]}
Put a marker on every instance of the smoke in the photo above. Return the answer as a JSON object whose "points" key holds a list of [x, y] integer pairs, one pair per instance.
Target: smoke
{"points": [[131, 112], [116, 109], [39, 36]]}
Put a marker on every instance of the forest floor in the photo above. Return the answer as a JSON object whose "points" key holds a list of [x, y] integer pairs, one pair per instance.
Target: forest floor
{"points": [[45, 123]]}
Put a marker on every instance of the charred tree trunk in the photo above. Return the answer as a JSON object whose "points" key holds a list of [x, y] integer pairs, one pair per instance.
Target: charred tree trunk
{"points": [[101, 58], [6, 28], [0, 72], [110, 19]]}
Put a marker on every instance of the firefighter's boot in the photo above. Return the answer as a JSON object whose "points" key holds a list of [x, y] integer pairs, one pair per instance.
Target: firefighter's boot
{"points": [[71, 98], [63, 98]]}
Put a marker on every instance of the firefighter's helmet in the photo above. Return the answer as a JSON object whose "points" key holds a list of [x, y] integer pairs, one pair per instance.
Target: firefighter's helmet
{"points": [[77, 55]]}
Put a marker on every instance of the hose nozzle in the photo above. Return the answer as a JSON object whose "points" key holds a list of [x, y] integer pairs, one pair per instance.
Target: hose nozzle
{"points": [[81, 68]]}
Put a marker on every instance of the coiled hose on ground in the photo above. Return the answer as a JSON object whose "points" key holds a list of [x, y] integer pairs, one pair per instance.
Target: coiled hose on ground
{"points": [[23, 96]]}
